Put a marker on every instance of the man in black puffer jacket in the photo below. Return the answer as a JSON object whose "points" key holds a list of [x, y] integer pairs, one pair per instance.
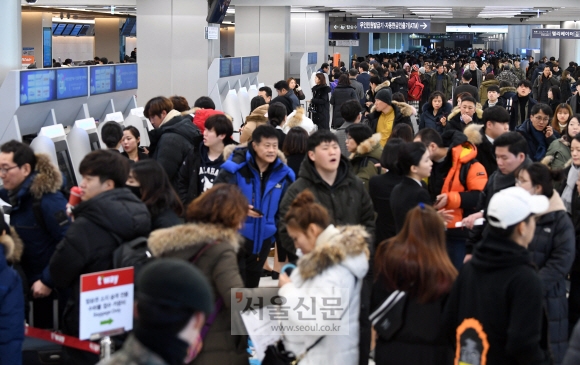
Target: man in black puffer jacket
{"points": [[107, 214], [174, 136]]}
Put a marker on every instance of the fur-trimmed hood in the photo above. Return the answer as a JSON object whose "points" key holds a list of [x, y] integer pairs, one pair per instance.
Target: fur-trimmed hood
{"points": [[336, 245], [188, 236], [556, 204], [13, 246], [507, 89], [296, 119], [473, 133], [229, 150], [48, 178], [368, 145], [258, 115], [382, 86], [405, 109], [456, 110]]}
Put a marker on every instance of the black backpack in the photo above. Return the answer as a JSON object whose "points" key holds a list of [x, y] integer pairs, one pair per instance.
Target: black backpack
{"points": [[131, 253]]}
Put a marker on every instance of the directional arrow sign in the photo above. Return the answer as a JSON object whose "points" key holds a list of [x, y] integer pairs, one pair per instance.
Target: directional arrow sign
{"points": [[389, 25], [108, 321], [335, 26]]}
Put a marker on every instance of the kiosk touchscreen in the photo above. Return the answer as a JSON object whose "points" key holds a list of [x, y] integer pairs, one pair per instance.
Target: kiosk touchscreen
{"points": [[102, 79], [72, 82], [90, 127], [58, 136], [37, 86]]}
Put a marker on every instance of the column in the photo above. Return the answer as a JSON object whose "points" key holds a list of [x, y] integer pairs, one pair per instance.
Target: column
{"points": [[550, 46], [32, 24], [11, 44], [107, 38], [569, 48], [173, 54], [309, 33], [265, 31]]}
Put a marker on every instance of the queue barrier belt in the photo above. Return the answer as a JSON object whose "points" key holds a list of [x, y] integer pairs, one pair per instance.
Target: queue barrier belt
{"points": [[61, 339]]}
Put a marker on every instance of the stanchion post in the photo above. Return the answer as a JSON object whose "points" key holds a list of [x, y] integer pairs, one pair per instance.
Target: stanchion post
{"points": [[106, 348]]}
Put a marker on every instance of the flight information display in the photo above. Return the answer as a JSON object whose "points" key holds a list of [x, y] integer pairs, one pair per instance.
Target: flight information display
{"points": [[126, 77], [246, 65], [255, 64], [72, 82], [236, 66], [102, 79], [37, 86], [225, 67]]}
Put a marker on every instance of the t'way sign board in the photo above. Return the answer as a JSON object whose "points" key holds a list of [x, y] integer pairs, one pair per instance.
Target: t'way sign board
{"points": [[106, 302]]}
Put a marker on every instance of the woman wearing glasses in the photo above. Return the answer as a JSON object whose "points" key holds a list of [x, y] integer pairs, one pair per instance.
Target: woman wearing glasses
{"points": [[538, 131]]}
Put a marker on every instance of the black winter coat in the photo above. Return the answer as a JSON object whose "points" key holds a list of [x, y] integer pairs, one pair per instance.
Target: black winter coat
{"points": [[428, 120], [380, 189], [552, 250], [420, 340], [405, 196], [485, 150], [534, 147], [340, 95], [174, 140], [573, 355], [89, 243], [514, 109], [321, 104]]}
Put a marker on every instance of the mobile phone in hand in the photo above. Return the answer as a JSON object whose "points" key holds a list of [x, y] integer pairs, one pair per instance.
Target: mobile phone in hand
{"points": [[257, 211]]}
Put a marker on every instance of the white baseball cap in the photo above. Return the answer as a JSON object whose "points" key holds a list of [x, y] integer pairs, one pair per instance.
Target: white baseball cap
{"points": [[513, 205]]}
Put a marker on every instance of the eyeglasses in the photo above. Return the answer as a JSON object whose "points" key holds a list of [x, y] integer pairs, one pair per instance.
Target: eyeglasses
{"points": [[4, 170], [540, 119]]}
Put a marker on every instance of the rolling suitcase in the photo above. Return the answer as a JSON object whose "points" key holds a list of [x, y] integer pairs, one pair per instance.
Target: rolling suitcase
{"points": [[40, 352]]}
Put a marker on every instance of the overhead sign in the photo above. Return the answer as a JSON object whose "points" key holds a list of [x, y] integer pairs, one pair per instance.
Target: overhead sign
{"points": [[389, 25], [343, 26], [106, 303], [345, 43], [556, 33]]}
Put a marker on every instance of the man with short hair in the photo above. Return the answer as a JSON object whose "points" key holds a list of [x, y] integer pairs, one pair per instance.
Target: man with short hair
{"points": [[520, 105], [112, 134], [285, 97], [465, 87], [327, 174], [172, 301], [351, 112], [31, 185], [262, 176], [202, 164], [441, 82], [358, 88], [477, 75], [495, 123], [542, 84], [508, 75], [364, 77], [493, 98], [324, 68], [266, 93], [518, 70], [386, 114], [495, 312], [107, 216]]}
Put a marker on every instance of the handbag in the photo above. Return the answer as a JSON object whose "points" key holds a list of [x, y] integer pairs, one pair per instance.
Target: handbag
{"points": [[388, 318], [276, 354]]}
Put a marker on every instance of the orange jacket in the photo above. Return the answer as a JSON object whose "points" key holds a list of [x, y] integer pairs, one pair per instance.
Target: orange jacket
{"points": [[475, 181]]}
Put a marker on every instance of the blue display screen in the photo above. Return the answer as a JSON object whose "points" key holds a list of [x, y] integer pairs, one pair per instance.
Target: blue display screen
{"points": [[225, 67], [126, 77], [255, 64], [72, 82], [37, 86], [76, 30], [236, 66], [59, 28], [68, 29], [102, 79], [246, 65], [312, 58], [47, 47]]}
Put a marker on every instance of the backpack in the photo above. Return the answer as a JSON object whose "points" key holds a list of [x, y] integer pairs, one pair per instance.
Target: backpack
{"points": [[366, 160], [131, 253], [416, 89]]}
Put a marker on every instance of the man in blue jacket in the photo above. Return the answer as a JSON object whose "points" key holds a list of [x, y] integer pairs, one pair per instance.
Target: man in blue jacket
{"points": [[32, 187], [259, 170]]}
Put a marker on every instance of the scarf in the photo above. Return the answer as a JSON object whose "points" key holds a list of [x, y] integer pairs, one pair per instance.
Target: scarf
{"points": [[570, 185], [540, 138]]}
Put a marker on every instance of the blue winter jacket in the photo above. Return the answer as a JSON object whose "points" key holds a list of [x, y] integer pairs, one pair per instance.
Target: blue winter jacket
{"points": [[39, 243], [240, 169], [11, 308]]}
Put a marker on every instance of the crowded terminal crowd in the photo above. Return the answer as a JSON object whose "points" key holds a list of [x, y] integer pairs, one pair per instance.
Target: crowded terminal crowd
{"points": [[440, 191]]}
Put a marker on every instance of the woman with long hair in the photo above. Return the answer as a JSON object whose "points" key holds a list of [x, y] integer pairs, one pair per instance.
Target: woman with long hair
{"points": [[554, 97], [320, 102], [148, 180], [566, 82], [559, 153], [342, 93], [277, 119], [130, 144], [552, 251], [295, 148], [295, 88], [415, 262], [210, 241], [562, 115], [335, 261]]}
